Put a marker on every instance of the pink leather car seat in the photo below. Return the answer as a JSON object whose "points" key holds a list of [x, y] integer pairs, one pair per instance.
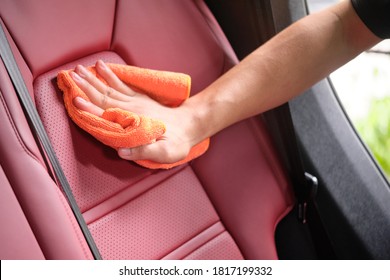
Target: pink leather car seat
{"points": [[224, 205]]}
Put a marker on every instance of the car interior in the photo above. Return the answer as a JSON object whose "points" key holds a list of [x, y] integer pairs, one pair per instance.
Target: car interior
{"points": [[237, 201]]}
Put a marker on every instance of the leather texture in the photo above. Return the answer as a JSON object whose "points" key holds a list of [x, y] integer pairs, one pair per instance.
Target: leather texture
{"points": [[17, 241], [224, 205]]}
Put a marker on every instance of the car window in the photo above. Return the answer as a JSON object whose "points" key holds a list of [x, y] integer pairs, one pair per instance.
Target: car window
{"points": [[363, 87]]}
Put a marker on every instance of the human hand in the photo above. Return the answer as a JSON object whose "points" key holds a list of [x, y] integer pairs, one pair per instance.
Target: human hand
{"points": [[180, 122]]}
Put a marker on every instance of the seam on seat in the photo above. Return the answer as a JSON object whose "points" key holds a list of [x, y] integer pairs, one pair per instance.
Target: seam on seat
{"points": [[16, 132], [17, 234], [16, 51], [221, 247], [91, 214], [164, 217], [114, 24], [196, 241], [212, 31], [125, 196], [207, 242], [75, 226], [216, 210], [219, 35]]}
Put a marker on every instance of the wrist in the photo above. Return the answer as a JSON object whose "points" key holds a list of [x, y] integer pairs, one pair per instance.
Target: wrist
{"points": [[196, 115]]}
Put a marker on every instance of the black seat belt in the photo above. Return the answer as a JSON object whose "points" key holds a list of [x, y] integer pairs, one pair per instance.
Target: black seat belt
{"points": [[32, 114]]}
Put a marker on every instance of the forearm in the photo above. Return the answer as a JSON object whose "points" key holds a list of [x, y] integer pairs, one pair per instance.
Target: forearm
{"points": [[284, 67]]}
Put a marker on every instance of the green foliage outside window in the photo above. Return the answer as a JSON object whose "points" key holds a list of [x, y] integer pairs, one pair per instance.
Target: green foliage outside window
{"points": [[375, 131]]}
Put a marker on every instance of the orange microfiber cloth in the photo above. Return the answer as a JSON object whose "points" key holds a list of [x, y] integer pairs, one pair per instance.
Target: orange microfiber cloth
{"points": [[119, 128]]}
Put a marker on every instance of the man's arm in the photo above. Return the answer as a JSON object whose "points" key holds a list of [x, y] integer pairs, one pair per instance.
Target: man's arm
{"points": [[284, 67]]}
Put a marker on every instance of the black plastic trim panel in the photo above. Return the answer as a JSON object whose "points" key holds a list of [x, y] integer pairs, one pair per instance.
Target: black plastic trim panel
{"points": [[354, 197]]}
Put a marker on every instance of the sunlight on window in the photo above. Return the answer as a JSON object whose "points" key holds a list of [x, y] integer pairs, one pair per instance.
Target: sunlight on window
{"points": [[363, 86]]}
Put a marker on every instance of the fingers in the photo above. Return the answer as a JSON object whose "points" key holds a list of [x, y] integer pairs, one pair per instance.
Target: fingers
{"points": [[121, 90], [159, 151], [113, 79], [97, 97], [111, 93], [100, 94], [84, 105]]}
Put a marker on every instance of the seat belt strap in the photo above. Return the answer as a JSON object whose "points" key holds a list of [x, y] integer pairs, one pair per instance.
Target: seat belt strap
{"points": [[32, 114]]}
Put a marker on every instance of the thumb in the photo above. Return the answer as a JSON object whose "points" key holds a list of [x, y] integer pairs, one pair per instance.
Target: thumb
{"points": [[159, 151]]}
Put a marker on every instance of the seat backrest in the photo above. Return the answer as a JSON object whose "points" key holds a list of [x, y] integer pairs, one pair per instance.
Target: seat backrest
{"points": [[224, 205]]}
